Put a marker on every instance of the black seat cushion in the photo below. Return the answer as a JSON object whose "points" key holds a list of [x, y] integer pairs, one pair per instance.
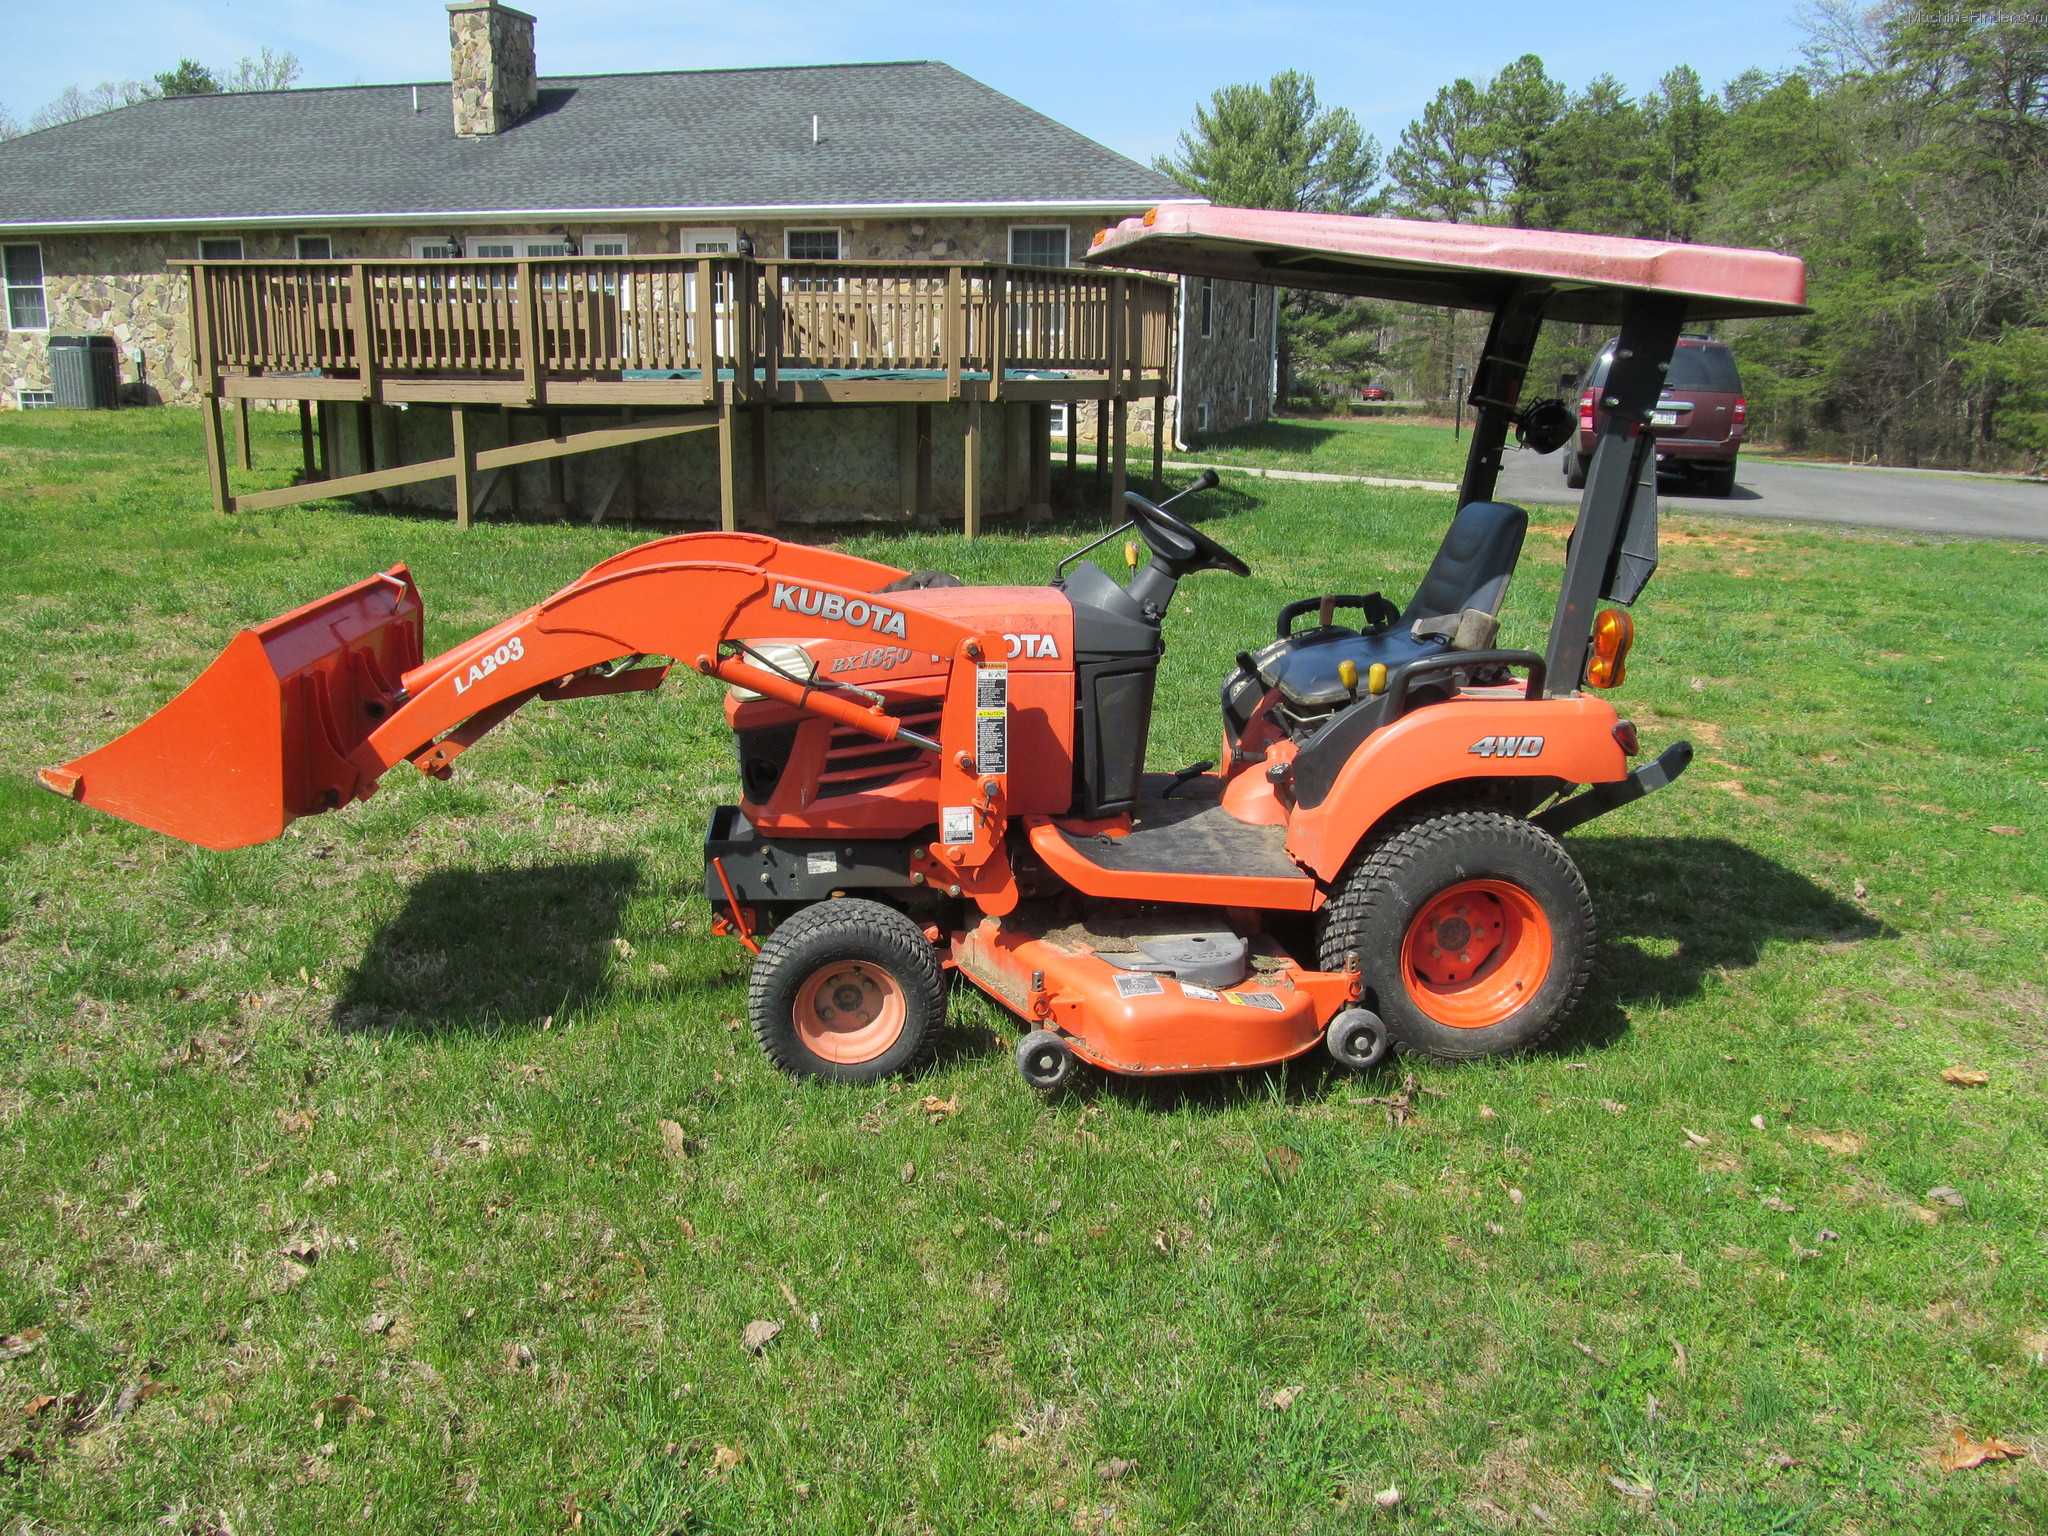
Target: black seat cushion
{"points": [[1471, 570]]}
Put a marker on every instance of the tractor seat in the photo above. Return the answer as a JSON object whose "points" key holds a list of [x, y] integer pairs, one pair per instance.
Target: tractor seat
{"points": [[1471, 571]]}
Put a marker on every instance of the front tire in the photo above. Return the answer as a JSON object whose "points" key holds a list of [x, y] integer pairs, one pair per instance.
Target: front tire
{"points": [[849, 991], [1574, 470], [1473, 928]]}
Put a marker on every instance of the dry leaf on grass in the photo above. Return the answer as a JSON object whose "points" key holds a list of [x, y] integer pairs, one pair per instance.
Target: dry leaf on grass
{"points": [[723, 1459], [757, 1335], [1677, 1358], [378, 1323], [1283, 1398], [296, 1122], [14, 1345], [2006, 831], [343, 1407], [1773, 1203], [1965, 1453], [1965, 1077], [1282, 1161], [1613, 1108], [1388, 1497], [1696, 1138], [935, 1109], [675, 1146], [1486, 1112], [1115, 1468], [1947, 1196], [1758, 1122], [1841, 1143], [909, 1173], [1629, 1490]]}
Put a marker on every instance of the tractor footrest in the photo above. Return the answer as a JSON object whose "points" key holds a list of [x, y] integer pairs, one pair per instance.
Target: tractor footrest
{"points": [[763, 869], [1602, 798]]}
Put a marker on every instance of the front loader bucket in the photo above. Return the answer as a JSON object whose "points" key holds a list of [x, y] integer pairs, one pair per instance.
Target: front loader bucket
{"points": [[263, 736]]}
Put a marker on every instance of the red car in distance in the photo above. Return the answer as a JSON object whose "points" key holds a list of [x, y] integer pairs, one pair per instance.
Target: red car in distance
{"points": [[1698, 420], [1375, 392]]}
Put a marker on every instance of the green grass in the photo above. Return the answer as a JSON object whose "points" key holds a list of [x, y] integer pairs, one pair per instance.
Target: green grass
{"points": [[369, 1116], [1390, 450]]}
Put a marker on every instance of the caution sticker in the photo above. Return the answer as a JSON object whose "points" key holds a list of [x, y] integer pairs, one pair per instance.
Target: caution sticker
{"points": [[1201, 994], [991, 719], [956, 824], [821, 861], [1139, 984], [1264, 1000]]}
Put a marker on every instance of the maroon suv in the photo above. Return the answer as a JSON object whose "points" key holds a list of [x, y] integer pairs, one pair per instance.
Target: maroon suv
{"points": [[1698, 421]]}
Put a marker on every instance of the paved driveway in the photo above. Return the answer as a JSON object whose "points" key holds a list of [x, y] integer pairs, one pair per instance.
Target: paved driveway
{"points": [[1900, 500]]}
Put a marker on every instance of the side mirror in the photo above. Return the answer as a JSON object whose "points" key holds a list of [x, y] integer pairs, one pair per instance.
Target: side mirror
{"points": [[1568, 380]]}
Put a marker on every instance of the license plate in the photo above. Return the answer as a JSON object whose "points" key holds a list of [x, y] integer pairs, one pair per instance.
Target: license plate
{"points": [[1663, 418]]}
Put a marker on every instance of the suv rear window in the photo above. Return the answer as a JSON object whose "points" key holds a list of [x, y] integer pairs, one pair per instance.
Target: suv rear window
{"points": [[1694, 365]]}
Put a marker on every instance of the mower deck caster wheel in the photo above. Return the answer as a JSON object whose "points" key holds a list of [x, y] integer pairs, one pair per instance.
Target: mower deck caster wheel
{"points": [[1358, 1039], [1045, 1060]]}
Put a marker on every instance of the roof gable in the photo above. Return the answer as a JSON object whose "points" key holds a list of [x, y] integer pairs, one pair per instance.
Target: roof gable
{"points": [[890, 135]]}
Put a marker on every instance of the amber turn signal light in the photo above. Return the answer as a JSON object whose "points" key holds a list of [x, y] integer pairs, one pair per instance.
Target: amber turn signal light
{"points": [[1613, 633], [1151, 217]]}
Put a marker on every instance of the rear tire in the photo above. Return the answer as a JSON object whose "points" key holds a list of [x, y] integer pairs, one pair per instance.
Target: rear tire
{"points": [[1575, 470], [849, 991], [1719, 481], [1473, 928]]}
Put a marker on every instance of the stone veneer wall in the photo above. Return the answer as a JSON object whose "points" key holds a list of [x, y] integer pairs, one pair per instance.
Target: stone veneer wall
{"points": [[1230, 370]]}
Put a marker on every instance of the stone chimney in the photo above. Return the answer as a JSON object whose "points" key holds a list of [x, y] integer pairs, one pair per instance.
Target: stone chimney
{"points": [[493, 70]]}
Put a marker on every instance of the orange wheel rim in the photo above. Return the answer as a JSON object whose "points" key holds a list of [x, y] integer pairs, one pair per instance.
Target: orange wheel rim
{"points": [[1476, 953], [849, 1012]]}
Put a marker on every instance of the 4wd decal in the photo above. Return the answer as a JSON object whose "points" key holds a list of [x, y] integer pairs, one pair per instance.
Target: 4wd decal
{"points": [[488, 663], [1507, 746], [855, 611]]}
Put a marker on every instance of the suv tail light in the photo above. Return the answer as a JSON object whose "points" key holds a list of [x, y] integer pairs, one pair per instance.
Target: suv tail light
{"points": [[1741, 410], [1586, 411]]}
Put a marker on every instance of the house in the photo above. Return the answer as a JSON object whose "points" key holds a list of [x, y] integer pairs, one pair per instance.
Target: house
{"points": [[876, 178]]}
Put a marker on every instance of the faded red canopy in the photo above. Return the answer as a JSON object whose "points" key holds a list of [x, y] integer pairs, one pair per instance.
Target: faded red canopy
{"points": [[1453, 266]]}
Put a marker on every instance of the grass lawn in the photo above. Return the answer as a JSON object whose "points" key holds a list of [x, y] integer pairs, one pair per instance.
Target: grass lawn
{"points": [[1391, 450], [332, 1173]]}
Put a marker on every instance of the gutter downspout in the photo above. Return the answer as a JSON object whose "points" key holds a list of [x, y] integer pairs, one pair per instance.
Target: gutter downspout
{"points": [[1180, 366]]}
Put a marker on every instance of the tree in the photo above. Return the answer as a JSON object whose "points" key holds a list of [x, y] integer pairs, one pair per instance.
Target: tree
{"points": [[74, 102], [9, 128], [266, 72], [1276, 146], [1518, 114], [190, 78], [1439, 169]]}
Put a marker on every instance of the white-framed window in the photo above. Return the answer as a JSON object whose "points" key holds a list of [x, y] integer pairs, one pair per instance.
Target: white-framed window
{"points": [[35, 399], [315, 248], [436, 248], [607, 245], [490, 250], [1208, 317], [1202, 417], [1038, 245], [1060, 411], [708, 242], [1251, 319], [811, 244], [546, 248], [221, 248], [28, 309]]}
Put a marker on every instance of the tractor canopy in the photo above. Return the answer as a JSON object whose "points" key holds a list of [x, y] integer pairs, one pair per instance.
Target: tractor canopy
{"points": [[1453, 266]]}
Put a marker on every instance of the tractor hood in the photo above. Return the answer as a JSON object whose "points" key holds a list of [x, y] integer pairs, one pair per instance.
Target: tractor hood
{"points": [[1452, 266]]}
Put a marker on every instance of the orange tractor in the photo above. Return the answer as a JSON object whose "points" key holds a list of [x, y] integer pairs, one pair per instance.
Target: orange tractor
{"points": [[935, 776]]}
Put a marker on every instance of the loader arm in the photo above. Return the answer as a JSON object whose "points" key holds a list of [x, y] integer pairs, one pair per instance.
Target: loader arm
{"points": [[306, 713]]}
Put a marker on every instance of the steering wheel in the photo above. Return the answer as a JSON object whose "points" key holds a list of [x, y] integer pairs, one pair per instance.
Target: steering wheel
{"points": [[1181, 549]]}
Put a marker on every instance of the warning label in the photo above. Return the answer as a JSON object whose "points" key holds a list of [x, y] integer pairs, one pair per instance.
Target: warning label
{"points": [[1139, 984], [821, 862], [1264, 1000], [956, 824], [1202, 994], [992, 720]]}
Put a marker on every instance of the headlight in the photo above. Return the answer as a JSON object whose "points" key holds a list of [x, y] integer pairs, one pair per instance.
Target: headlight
{"points": [[783, 655]]}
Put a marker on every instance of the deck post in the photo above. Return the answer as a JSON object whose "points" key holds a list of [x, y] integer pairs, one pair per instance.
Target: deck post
{"points": [[970, 472], [465, 466], [764, 466], [1119, 422], [906, 460], [1017, 441], [728, 499], [1101, 443], [1038, 452], [216, 454], [529, 336], [240, 408], [364, 332], [309, 471], [511, 470], [558, 492], [324, 436], [632, 467], [366, 445], [925, 513], [954, 328], [1073, 449]]}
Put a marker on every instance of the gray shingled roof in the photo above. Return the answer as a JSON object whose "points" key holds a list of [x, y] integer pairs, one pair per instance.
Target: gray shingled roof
{"points": [[893, 135]]}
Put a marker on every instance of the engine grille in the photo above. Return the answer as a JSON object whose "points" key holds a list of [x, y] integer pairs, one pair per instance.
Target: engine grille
{"points": [[856, 763]]}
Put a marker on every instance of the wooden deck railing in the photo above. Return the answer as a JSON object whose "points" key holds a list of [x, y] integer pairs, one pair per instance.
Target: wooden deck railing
{"points": [[616, 329]]}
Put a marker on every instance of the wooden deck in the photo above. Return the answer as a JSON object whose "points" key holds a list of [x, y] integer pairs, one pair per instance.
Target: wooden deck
{"points": [[703, 339]]}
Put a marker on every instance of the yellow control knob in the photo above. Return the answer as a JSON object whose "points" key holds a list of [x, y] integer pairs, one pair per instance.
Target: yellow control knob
{"points": [[1131, 553], [1376, 679], [1347, 674]]}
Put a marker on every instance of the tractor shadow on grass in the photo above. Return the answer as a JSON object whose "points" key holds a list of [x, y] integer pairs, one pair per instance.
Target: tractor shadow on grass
{"points": [[1671, 911], [490, 949], [1674, 910]]}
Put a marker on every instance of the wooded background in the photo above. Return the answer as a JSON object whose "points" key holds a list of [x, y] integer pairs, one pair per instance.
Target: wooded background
{"points": [[1905, 159]]}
